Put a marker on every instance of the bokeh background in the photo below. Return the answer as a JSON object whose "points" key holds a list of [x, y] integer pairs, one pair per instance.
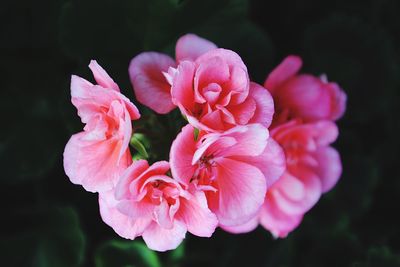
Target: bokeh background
{"points": [[47, 221]]}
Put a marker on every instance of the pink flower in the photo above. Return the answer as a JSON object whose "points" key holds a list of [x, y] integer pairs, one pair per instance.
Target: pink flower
{"points": [[148, 203], [312, 168], [95, 157], [146, 72], [232, 168], [302, 95], [215, 94]]}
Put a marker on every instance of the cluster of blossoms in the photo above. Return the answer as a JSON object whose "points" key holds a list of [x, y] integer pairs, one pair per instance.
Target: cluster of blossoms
{"points": [[239, 162]]}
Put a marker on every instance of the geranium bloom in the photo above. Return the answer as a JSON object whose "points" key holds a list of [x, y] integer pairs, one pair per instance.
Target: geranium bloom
{"points": [[146, 72], [210, 85], [302, 95], [95, 157], [148, 203], [232, 168], [215, 94], [312, 168]]}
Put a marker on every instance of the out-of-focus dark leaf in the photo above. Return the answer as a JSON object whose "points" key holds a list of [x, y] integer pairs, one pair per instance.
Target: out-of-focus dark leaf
{"points": [[44, 238], [118, 253]]}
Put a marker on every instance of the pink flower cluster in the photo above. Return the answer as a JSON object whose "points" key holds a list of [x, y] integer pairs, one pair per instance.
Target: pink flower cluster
{"points": [[238, 163]]}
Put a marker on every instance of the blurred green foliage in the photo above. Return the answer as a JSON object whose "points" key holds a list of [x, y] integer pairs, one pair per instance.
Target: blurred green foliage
{"points": [[50, 222]]}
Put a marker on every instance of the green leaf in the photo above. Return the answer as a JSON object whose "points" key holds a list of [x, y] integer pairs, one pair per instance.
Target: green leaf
{"points": [[137, 144], [53, 238], [196, 134], [116, 253], [177, 254]]}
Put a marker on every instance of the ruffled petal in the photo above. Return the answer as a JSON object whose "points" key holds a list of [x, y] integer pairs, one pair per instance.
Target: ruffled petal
{"points": [[149, 84], [285, 70], [191, 46], [264, 105], [241, 191], [161, 239], [329, 167], [182, 151]]}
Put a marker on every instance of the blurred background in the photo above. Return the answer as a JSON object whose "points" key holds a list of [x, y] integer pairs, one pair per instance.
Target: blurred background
{"points": [[48, 221]]}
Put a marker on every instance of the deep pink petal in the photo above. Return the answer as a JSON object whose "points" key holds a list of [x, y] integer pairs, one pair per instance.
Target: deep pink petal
{"points": [[264, 105], [296, 194], [244, 111], [338, 101], [191, 46], [149, 84], [329, 167], [182, 86], [276, 221], [243, 228], [285, 70], [181, 155]]}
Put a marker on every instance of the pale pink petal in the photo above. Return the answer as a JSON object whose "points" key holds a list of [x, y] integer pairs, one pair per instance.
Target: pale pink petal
{"points": [[101, 76], [191, 46], [181, 155], [243, 228], [241, 191], [161, 215], [284, 71], [329, 167], [122, 224], [150, 86], [94, 165], [135, 209], [160, 239], [264, 105], [198, 218]]}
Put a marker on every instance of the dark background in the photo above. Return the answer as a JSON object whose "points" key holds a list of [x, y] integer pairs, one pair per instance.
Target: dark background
{"points": [[47, 221]]}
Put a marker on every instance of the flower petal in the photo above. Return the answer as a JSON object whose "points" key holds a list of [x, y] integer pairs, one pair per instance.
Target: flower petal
{"points": [[241, 191], [122, 224], [160, 239], [198, 218], [329, 167], [276, 221], [149, 84], [182, 151], [191, 46], [101, 76], [285, 70], [243, 228], [94, 165], [264, 105], [271, 161]]}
